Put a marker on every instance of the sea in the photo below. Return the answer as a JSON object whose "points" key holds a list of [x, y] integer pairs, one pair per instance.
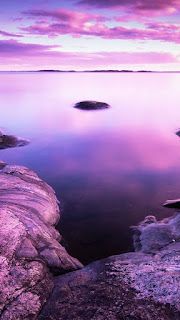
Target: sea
{"points": [[110, 168]]}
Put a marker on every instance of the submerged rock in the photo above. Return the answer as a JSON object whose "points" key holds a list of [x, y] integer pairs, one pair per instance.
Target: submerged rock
{"points": [[30, 251], [10, 141], [91, 105]]}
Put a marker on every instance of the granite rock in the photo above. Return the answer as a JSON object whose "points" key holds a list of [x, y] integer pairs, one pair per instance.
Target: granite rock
{"points": [[131, 286], [30, 251]]}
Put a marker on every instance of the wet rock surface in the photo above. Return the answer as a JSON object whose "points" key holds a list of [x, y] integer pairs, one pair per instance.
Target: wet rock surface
{"points": [[91, 105], [132, 286], [10, 141], [30, 251]]}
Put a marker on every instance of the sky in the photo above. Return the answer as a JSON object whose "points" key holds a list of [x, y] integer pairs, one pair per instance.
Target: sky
{"points": [[90, 34]]}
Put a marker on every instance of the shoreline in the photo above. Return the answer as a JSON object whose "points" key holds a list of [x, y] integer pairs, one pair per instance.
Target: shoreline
{"points": [[40, 280], [32, 262]]}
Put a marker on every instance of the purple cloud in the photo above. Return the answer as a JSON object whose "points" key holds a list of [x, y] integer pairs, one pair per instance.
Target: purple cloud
{"points": [[65, 15], [15, 48], [9, 34], [134, 4]]}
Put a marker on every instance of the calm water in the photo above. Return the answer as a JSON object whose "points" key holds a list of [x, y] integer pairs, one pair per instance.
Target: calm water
{"points": [[110, 168]]}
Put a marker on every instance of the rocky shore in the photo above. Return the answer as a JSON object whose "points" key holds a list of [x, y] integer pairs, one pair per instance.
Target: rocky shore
{"points": [[134, 286], [30, 252], [137, 285], [40, 280]]}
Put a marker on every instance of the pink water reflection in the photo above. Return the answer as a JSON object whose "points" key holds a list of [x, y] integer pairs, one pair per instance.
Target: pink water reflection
{"points": [[109, 168]]}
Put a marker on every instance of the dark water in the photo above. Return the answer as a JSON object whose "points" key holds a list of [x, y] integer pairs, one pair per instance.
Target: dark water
{"points": [[110, 168]]}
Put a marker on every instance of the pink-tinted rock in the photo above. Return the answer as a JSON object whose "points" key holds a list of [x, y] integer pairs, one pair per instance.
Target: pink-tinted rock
{"points": [[28, 213], [10, 141], [131, 286]]}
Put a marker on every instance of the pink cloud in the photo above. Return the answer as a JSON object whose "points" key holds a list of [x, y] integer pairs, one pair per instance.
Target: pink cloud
{"points": [[56, 29], [153, 31], [65, 22]]}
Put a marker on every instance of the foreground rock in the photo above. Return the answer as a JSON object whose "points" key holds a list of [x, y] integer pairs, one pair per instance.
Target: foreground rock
{"points": [[132, 286], [91, 105], [10, 141], [30, 251]]}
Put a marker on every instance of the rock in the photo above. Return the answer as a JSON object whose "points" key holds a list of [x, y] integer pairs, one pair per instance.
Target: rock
{"points": [[2, 164], [178, 132], [30, 251], [134, 285], [172, 204], [150, 235], [10, 141], [91, 105]]}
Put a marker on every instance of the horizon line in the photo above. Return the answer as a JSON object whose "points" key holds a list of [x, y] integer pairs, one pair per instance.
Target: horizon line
{"points": [[95, 70]]}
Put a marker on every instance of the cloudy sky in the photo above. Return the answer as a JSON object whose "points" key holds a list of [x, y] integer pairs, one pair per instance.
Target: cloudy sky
{"points": [[90, 34]]}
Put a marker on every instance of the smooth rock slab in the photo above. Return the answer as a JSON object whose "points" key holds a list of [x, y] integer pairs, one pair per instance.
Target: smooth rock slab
{"points": [[132, 286], [30, 251], [91, 105]]}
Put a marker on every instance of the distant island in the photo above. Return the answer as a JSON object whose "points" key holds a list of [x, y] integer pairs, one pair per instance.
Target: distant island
{"points": [[110, 71], [51, 70], [91, 71]]}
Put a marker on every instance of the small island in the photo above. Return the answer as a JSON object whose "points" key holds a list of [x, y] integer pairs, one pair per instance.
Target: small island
{"points": [[91, 105]]}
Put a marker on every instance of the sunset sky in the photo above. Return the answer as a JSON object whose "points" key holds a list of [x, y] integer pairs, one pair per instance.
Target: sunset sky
{"points": [[90, 34]]}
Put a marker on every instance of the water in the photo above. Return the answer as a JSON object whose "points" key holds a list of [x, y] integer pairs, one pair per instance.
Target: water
{"points": [[110, 168]]}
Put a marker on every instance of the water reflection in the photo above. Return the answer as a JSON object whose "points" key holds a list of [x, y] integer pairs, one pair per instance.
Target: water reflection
{"points": [[109, 169]]}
